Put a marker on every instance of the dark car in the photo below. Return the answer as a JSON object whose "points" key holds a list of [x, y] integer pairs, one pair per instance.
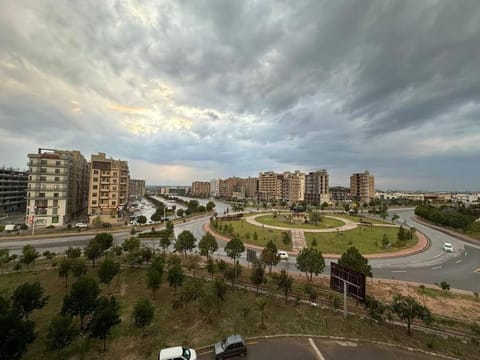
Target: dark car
{"points": [[230, 347]]}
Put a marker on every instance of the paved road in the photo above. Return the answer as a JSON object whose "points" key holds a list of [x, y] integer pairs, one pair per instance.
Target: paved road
{"points": [[302, 349]]}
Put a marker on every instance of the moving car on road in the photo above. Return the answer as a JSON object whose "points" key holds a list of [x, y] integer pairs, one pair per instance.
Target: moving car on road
{"points": [[282, 255], [447, 247], [81, 225], [230, 347], [177, 353]]}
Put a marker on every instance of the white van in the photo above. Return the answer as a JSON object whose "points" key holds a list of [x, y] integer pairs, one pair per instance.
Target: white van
{"points": [[177, 353]]}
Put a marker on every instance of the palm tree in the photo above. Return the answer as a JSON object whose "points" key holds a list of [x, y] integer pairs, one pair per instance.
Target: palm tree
{"points": [[260, 304]]}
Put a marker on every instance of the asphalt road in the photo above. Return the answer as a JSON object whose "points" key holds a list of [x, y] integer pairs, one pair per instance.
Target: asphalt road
{"points": [[302, 349]]}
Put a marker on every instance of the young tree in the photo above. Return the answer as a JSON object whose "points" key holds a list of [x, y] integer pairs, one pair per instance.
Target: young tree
{"points": [[354, 260], [79, 267], [185, 242], [175, 276], [208, 244], [93, 251], [234, 248], [141, 219], [257, 275], [64, 268], [4, 258], [310, 261], [105, 316], [131, 244], [401, 235], [107, 271], [285, 283], [261, 304], [315, 217], [211, 267], [28, 297], [82, 298], [105, 240], [220, 290], [311, 293], [210, 206], [73, 252], [165, 240], [60, 333], [29, 255], [169, 227], [142, 314], [154, 279], [375, 308], [180, 212], [269, 255], [407, 309]]}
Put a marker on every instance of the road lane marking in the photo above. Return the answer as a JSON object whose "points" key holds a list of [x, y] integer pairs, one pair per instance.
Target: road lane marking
{"points": [[315, 348], [458, 261], [399, 271], [436, 267]]}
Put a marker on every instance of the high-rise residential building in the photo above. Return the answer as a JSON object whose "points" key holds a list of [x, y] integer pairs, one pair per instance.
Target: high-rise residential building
{"points": [[362, 187], [108, 190], [293, 187], [339, 194], [13, 190], [215, 187], [251, 187], [201, 188], [316, 187], [270, 186], [57, 187], [136, 188]]}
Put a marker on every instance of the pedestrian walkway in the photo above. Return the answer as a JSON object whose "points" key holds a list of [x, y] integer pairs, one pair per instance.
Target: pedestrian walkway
{"points": [[298, 240]]}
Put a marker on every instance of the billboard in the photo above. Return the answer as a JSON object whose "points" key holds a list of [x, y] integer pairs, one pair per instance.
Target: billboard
{"points": [[251, 255], [355, 281]]}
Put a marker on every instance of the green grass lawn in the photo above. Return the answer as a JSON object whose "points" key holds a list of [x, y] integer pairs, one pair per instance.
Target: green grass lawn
{"points": [[357, 219], [365, 239], [326, 223], [187, 326]]}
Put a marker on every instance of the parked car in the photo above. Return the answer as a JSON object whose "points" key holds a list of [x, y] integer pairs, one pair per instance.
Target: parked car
{"points": [[447, 247], [177, 353], [230, 347], [81, 225], [283, 255]]}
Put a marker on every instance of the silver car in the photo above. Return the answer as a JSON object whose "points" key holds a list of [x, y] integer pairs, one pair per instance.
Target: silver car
{"points": [[230, 347]]}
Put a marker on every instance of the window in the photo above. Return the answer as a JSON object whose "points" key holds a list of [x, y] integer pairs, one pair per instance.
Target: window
{"points": [[55, 202], [95, 172], [95, 187], [95, 179], [94, 202], [43, 178], [57, 178], [54, 211], [114, 203], [114, 173], [94, 194], [114, 188], [43, 170], [41, 195], [55, 195], [57, 171], [57, 163], [54, 219], [43, 162]]}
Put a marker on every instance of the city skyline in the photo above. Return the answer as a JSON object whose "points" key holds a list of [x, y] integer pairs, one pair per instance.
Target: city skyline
{"points": [[202, 90]]}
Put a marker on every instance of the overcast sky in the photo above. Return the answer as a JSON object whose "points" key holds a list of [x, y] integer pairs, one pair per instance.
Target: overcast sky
{"points": [[191, 90]]}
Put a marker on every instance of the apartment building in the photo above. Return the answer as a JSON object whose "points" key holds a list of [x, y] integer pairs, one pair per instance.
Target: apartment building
{"points": [[57, 189], [251, 187], [316, 187], [108, 190], [293, 187], [362, 187], [200, 188], [215, 187], [340, 194], [270, 186], [13, 190], [136, 188]]}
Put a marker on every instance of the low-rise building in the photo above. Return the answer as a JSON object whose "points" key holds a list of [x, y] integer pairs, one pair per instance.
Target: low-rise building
{"points": [[136, 188], [13, 190]]}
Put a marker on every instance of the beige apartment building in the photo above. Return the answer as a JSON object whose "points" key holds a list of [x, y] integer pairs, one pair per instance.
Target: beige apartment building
{"points": [[362, 187], [293, 187], [201, 188], [270, 186], [57, 190], [316, 187], [136, 188], [108, 190]]}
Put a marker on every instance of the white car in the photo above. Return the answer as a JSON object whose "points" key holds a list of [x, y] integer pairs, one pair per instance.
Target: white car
{"points": [[177, 353], [447, 247], [81, 225], [282, 255]]}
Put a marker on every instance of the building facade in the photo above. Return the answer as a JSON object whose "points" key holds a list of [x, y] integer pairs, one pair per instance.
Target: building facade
{"points": [[340, 194], [136, 188], [362, 187], [57, 190], [200, 188], [13, 190], [215, 187], [293, 187], [270, 186], [316, 187], [108, 190]]}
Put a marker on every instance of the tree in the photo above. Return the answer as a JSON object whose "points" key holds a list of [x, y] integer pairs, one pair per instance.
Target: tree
{"points": [[234, 248], [310, 261], [354, 260], [60, 333], [82, 298], [219, 289], [180, 212], [142, 314], [73, 252], [175, 276], [154, 279], [375, 308], [208, 244], [269, 255], [211, 266], [257, 275], [105, 316], [165, 240], [444, 285], [185, 242], [385, 241], [15, 332], [407, 309], [315, 217], [28, 297], [141, 219], [395, 217], [107, 271], [311, 293], [170, 228], [78, 266], [4, 258], [130, 244], [402, 235], [285, 283], [193, 205], [93, 251], [29, 255], [210, 206], [105, 240], [64, 269], [261, 304]]}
